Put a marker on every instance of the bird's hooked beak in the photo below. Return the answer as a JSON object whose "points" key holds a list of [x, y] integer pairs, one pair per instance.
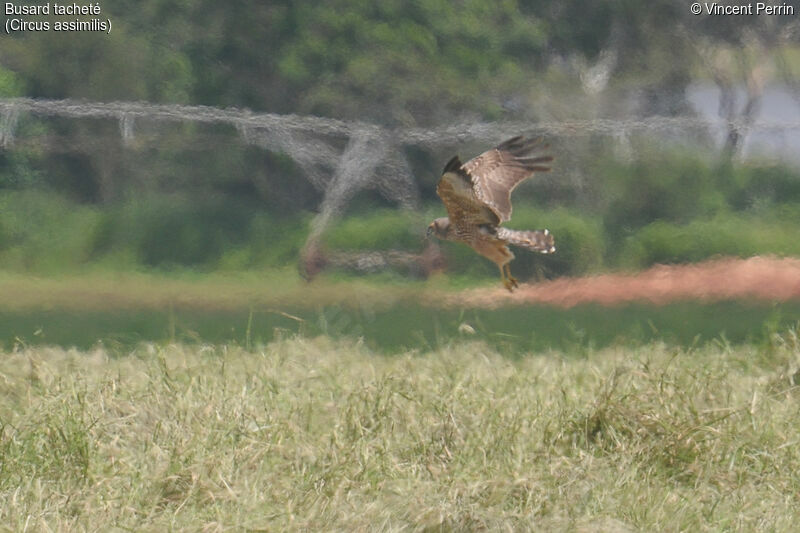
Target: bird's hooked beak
{"points": [[429, 232]]}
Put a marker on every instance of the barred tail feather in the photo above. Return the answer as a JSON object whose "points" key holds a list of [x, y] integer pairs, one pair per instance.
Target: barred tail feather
{"points": [[537, 240]]}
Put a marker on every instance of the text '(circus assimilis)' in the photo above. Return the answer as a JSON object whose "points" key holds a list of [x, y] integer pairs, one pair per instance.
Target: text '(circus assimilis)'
{"points": [[44, 17]]}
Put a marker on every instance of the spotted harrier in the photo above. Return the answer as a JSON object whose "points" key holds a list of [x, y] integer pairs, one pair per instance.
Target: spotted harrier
{"points": [[477, 197]]}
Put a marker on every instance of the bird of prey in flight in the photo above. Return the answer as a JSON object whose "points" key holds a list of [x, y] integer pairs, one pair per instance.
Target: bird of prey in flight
{"points": [[477, 197]]}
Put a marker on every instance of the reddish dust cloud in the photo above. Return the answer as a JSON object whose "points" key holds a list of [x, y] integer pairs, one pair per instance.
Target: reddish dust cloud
{"points": [[756, 278]]}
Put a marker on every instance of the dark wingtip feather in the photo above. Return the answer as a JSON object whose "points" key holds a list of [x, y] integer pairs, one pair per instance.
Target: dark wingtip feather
{"points": [[519, 146], [511, 143], [454, 165], [522, 149]]}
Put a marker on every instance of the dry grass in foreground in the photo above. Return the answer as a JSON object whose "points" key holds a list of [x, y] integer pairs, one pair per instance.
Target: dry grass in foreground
{"points": [[307, 434]]}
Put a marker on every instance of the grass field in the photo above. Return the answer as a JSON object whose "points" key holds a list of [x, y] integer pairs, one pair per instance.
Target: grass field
{"points": [[319, 434], [123, 310]]}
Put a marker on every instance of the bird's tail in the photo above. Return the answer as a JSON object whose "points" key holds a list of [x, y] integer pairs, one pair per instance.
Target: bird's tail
{"points": [[537, 240]]}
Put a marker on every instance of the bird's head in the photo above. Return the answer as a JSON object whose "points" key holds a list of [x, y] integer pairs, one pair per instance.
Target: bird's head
{"points": [[439, 228]]}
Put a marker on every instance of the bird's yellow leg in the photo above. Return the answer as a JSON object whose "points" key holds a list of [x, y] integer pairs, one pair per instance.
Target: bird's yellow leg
{"points": [[506, 282], [511, 279]]}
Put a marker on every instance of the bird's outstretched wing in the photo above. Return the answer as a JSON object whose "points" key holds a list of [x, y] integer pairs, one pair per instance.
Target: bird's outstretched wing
{"points": [[458, 196], [496, 172]]}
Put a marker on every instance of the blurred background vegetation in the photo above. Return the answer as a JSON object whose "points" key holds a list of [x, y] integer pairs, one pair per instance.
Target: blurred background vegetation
{"points": [[183, 195]]}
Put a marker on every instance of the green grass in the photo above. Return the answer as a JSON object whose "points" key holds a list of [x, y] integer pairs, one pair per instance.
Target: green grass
{"points": [[727, 236], [315, 434], [394, 320]]}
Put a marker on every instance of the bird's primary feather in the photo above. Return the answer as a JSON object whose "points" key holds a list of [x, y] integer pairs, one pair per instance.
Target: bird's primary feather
{"points": [[496, 172]]}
